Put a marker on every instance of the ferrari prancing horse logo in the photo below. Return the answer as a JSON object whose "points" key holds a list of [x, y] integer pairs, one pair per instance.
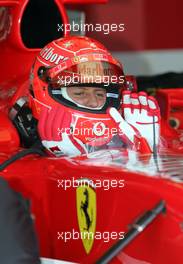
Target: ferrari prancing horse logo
{"points": [[86, 213]]}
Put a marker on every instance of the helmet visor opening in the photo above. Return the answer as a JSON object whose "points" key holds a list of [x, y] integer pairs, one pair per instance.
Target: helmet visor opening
{"points": [[92, 86], [84, 97]]}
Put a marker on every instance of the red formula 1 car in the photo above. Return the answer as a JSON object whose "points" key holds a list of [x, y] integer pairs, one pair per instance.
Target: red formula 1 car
{"points": [[112, 206]]}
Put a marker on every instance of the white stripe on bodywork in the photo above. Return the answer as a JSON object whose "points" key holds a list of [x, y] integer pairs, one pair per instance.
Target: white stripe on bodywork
{"points": [[55, 261]]}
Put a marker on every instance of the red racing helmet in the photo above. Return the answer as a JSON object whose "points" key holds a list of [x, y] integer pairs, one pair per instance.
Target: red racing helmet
{"points": [[77, 61]]}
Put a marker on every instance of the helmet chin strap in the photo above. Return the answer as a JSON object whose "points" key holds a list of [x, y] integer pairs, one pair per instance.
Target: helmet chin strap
{"points": [[67, 97]]}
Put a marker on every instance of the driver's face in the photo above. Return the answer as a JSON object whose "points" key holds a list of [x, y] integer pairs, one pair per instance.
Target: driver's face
{"points": [[88, 96]]}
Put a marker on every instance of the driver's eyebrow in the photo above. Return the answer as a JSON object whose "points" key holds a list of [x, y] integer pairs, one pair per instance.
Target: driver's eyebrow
{"points": [[78, 88], [100, 89], [94, 88], [97, 89]]}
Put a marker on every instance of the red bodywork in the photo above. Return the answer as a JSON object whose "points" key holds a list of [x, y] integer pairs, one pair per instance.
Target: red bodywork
{"points": [[54, 209]]}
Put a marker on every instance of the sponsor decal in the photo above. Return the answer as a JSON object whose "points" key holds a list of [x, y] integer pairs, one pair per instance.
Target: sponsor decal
{"points": [[99, 129], [49, 54], [76, 59]]}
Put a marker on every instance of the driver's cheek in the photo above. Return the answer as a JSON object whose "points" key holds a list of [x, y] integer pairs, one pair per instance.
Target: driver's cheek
{"points": [[91, 101], [84, 101]]}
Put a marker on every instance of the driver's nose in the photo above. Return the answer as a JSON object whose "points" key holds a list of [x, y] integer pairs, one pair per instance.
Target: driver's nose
{"points": [[92, 101]]}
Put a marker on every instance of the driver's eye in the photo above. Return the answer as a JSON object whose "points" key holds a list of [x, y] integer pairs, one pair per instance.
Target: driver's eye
{"points": [[101, 95], [79, 94]]}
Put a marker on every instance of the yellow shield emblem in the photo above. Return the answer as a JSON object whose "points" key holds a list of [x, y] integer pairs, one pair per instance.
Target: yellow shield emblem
{"points": [[86, 213]]}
